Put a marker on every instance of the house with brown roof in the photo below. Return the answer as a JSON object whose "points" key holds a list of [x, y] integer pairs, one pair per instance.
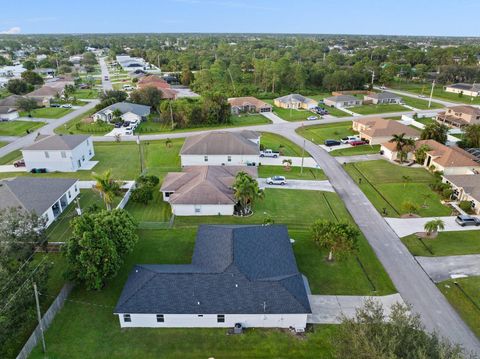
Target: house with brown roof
{"points": [[378, 130], [248, 104], [203, 190], [222, 148], [466, 188], [459, 116], [152, 81], [295, 101]]}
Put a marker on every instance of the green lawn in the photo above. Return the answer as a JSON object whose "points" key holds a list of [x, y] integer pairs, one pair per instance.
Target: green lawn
{"points": [[438, 92], [464, 296], [357, 150], [445, 244], [156, 211], [374, 109], [151, 126], [48, 112], [293, 173], [11, 157], [420, 104], [385, 186], [86, 94], [3, 143], [78, 126], [291, 114], [18, 128], [276, 143], [336, 112], [425, 120], [320, 133]]}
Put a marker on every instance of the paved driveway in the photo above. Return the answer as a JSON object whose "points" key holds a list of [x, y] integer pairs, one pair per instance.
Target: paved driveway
{"points": [[359, 158], [443, 268], [300, 184], [296, 161], [273, 117], [406, 226], [327, 309], [106, 84]]}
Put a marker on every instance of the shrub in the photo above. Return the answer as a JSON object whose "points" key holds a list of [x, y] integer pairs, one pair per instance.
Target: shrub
{"points": [[148, 180], [142, 194], [465, 206]]}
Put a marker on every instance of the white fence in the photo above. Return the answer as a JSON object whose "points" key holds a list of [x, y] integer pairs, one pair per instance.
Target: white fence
{"points": [[407, 120], [128, 185]]}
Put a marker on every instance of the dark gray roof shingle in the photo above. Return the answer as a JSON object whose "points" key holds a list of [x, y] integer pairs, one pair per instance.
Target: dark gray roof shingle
{"points": [[234, 270], [57, 143]]}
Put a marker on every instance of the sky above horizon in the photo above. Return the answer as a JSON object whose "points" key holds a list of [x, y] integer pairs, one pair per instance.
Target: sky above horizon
{"points": [[382, 17]]}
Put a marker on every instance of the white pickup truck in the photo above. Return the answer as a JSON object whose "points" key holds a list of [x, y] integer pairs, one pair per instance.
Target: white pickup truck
{"points": [[269, 153]]}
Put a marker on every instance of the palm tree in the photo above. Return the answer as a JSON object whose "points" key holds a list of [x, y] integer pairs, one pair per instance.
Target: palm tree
{"points": [[403, 145], [287, 164], [246, 191], [432, 227], [106, 187]]}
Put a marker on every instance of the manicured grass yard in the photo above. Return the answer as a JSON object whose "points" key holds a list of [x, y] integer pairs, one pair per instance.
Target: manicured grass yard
{"points": [[78, 126], [11, 157], [356, 150], [465, 298], [333, 131], [425, 120], [385, 186], [293, 173], [18, 128], [445, 244], [335, 112], [87, 94], [3, 143], [275, 142], [420, 104], [382, 108], [291, 114], [48, 112]]}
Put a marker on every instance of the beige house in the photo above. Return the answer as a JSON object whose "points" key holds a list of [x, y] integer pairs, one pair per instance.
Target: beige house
{"points": [[459, 116], [342, 101], [466, 188], [203, 190], [383, 98], [378, 130], [465, 89], [296, 102], [248, 104]]}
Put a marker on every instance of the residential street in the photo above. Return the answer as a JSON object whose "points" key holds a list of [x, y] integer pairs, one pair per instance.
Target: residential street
{"points": [[106, 84], [413, 95], [443, 268]]}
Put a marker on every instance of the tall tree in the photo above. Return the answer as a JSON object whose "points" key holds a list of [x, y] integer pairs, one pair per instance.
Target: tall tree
{"points": [[435, 131], [26, 104], [403, 145], [107, 187], [246, 191], [340, 239], [472, 135]]}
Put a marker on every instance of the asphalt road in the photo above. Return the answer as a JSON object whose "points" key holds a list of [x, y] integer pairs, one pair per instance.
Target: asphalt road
{"points": [[106, 84], [411, 281], [413, 95]]}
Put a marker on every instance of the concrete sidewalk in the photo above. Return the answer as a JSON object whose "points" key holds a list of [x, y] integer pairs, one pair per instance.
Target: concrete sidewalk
{"points": [[300, 185], [327, 309], [447, 267], [406, 226]]}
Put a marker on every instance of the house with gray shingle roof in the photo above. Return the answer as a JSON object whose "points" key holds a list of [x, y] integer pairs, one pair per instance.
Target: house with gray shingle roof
{"points": [[466, 188], [295, 101], [342, 101], [131, 112], [383, 98], [62, 153], [47, 197], [238, 274]]}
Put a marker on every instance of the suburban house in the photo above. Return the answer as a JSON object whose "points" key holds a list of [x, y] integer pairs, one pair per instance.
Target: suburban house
{"points": [[131, 63], [383, 98], [8, 113], [47, 197], [129, 112], [342, 101], [463, 88], [44, 94], [465, 188], [221, 148], [63, 153], [459, 116], [203, 190], [11, 101], [378, 130], [244, 275], [248, 104], [295, 101], [153, 81]]}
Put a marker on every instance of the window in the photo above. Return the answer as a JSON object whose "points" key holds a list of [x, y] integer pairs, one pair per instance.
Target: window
{"points": [[63, 154], [47, 155], [76, 188], [229, 158], [221, 318], [160, 318], [197, 209], [127, 318], [205, 158], [69, 194]]}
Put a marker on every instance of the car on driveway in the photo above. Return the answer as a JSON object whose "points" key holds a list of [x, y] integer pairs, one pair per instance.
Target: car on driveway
{"points": [[349, 139], [330, 143], [357, 143], [269, 153], [465, 220], [67, 105], [19, 163], [279, 180], [312, 118]]}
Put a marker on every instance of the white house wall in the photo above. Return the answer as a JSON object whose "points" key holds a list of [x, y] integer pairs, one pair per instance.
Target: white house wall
{"points": [[74, 192], [219, 160], [55, 162], [9, 116], [203, 209], [210, 321]]}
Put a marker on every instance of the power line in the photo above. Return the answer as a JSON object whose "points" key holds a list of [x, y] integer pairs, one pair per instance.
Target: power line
{"points": [[110, 307], [21, 267]]}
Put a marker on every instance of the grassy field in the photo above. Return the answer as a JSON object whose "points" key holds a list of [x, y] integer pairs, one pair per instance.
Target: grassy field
{"points": [[293, 173], [86, 94], [333, 131], [77, 126], [374, 109], [11, 157], [464, 295], [48, 112], [235, 121], [357, 150], [445, 244], [425, 120], [18, 128], [420, 104], [277, 143], [336, 112], [438, 92], [385, 185], [3, 143], [292, 115]]}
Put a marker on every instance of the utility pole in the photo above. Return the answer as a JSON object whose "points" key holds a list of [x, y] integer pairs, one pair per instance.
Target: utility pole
{"points": [[39, 317], [303, 154], [140, 153], [431, 94], [171, 113]]}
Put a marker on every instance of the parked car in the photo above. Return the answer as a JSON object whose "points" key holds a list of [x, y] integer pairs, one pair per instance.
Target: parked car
{"points": [[67, 105], [19, 163], [331, 143], [422, 96], [279, 180], [465, 220], [118, 125], [126, 124], [312, 118], [106, 78], [349, 139], [54, 105], [269, 153], [357, 143]]}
